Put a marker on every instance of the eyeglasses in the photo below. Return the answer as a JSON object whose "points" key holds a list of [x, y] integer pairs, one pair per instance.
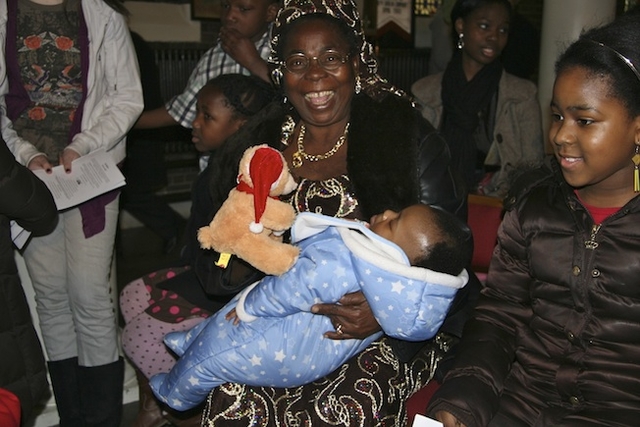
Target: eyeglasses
{"points": [[298, 63]]}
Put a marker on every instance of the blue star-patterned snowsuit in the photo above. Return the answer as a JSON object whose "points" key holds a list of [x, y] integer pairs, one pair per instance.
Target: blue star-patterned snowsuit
{"points": [[279, 342]]}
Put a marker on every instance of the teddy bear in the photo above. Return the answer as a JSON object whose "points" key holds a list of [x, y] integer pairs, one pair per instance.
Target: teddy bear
{"points": [[251, 221]]}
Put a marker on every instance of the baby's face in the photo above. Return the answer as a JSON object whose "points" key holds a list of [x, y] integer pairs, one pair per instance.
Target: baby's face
{"points": [[411, 229]]}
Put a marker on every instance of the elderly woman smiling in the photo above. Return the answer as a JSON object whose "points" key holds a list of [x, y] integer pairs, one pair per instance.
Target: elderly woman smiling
{"points": [[356, 146]]}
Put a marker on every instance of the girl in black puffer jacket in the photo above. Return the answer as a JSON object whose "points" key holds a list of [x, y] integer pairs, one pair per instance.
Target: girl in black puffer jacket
{"points": [[555, 339]]}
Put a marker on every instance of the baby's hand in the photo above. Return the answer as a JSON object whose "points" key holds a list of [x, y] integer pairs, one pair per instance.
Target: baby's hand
{"points": [[232, 315]]}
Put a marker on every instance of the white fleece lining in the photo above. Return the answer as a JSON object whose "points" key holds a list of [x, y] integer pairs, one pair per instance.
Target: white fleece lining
{"points": [[377, 251], [240, 311], [366, 245], [372, 248]]}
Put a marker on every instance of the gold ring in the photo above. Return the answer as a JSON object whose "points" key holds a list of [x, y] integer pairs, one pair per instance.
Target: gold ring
{"points": [[339, 329]]}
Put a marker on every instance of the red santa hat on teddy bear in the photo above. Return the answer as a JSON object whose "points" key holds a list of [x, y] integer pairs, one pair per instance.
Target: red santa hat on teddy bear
{"points": [[265, 169]]}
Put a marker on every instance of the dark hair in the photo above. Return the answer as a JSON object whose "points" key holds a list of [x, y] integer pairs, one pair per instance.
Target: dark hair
{"points": [[455, 249], [347, 33], [597, 50], [248, 96], [464, 8], [245, 95]]}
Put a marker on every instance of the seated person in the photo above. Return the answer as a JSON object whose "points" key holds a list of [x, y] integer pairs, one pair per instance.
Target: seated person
{"points": [[554, 338], [172, 299], [408, 264], [490, 119]]}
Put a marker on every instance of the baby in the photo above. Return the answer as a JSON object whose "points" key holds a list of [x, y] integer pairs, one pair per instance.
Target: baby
{"points": [[409, 264]]}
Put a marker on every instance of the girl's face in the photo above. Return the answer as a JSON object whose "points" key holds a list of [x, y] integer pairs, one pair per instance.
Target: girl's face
{"points": [[485, 30], [320, 96], [593, 138], [215, 121]]}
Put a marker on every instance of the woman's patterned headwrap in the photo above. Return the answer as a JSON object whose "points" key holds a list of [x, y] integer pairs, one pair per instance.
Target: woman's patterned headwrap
{"points": [[347, 11]]}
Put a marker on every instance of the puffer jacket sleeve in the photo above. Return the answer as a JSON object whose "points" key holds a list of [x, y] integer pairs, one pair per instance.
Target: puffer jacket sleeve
{"points": [[472, 387], [23, 197]]}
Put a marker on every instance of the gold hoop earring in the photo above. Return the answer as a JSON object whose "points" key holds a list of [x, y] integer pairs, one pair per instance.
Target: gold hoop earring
{"points": [[636, 169], [460, 41]]}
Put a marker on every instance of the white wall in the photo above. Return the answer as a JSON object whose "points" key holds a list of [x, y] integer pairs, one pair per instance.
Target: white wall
{"points": [[562, 23], [163, 22]]}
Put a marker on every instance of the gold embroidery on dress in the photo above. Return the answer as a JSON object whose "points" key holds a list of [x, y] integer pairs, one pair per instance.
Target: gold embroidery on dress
{"points": [[333, 194], [349, 396]]}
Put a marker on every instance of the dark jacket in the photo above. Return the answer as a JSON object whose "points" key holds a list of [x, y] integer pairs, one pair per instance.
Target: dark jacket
{"points": [[555, 339], [25, 199], [395, 159]]}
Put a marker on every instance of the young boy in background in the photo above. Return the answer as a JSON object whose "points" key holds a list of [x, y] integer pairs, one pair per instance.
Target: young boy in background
{"points": [[242, 47]]}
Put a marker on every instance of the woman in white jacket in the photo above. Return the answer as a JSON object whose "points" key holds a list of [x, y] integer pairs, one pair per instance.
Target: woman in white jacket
{"points": [[69, 85]]}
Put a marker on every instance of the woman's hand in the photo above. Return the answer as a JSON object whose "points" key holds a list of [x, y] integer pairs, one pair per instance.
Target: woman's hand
{"points": [[67, 157], [40, 162], [448, 419], [351, 316]]}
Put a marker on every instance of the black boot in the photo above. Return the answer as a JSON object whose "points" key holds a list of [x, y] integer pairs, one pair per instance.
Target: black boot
{"points": [[101, 394], [64, 381]]}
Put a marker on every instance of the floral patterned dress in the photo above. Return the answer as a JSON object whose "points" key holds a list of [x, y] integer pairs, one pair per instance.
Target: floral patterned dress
{"points": [[49, 64]]}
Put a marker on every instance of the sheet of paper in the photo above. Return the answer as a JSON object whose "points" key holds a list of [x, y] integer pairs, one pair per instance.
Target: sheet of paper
{"points": [[19, 235], [91, 175], [422, 421]]}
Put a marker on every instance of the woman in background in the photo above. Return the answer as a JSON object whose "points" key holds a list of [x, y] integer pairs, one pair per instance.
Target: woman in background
{"points": [[173, 299], [70, 86], [489, 118]]}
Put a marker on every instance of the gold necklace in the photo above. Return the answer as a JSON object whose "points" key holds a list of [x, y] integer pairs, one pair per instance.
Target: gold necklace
{"points": [[300, 156]]}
